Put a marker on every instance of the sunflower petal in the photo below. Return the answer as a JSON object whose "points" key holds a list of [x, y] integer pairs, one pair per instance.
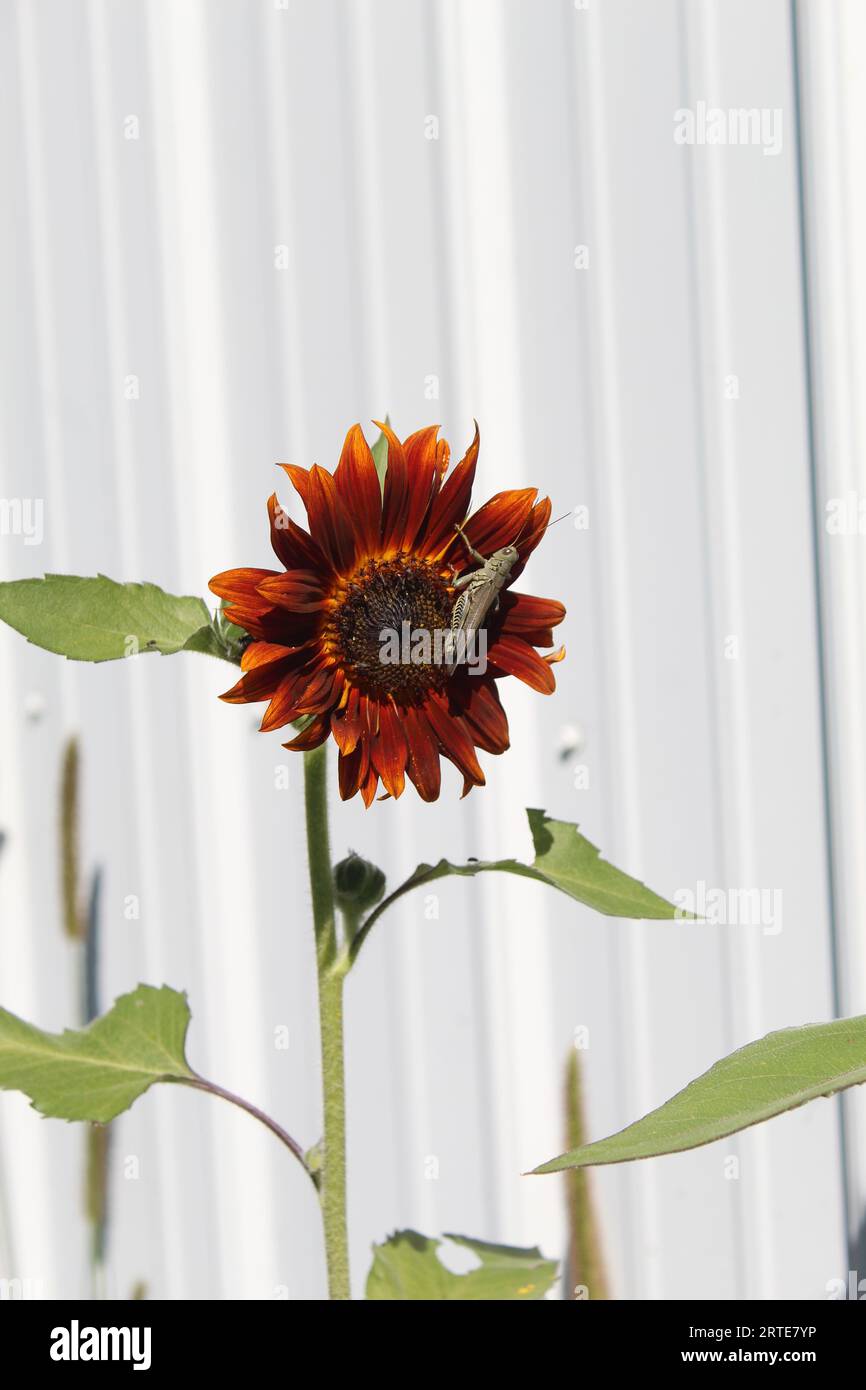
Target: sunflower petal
{"points": [[346, 724], [395, 499], [299, 591], [358, 487], [260, 683], [389, 751], [299, 478], [370, 716], [370, 786], [451, 504], [539, 637], [426, 461], [523, 614], [351, 771], [292, 545], [513, 656], [245, 605], [240, 585], [329, 521], [422, 763], [454, 740], [498, 523], [321, 692], [536, 525], [295, 694], [281, 709], [485, 717], [417, 450], [312, 736], [262, 653]]}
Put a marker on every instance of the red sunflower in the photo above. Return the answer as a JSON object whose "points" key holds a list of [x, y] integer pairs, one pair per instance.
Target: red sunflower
{"points": [[375, 558]]}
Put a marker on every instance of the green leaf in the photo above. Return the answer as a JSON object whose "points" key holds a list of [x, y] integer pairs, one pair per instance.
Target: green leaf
{"points": [[380, 455], [763, 1079], [407, 1267], [221, 638], [206, 640], [97, 619], [564, 859], [95, 1073]]}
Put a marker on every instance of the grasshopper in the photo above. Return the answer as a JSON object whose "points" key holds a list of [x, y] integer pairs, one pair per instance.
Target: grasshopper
{"points": [[480, 593]]}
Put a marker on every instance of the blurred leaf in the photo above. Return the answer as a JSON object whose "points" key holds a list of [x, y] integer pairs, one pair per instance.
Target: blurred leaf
{"points": [[564, 859], [763, 1079], [97, 619], [97, 1072], [407, 1267], [380, 455]]}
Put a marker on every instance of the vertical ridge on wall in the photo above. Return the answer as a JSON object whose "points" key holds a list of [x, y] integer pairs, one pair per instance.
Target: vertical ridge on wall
{"points": [[329, 212], [722, 491], [525, 1082], [830, 44], [224, 865], [174, 1269]]}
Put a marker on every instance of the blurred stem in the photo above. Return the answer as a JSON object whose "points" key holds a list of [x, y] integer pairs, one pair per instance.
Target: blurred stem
{"points": [[98, 1145], [586, 1265], [331, 969], [81, 925], [73, 924]]}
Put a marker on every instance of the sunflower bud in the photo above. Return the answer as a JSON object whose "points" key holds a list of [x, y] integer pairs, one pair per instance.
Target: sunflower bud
{"points": [[358, 884]]}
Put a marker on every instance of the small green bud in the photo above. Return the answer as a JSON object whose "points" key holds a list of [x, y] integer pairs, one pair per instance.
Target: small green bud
{"points": [[314, 1159], [358, 884]]}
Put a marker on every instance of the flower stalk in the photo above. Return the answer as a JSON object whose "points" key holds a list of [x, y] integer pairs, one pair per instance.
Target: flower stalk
{"points": [[331, 971]]}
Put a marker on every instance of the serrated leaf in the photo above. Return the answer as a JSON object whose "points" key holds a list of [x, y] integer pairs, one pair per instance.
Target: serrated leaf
{"points": [[564, 859], [97, 619], [206, 641], [777, 1073], [96, 1072], [221, 638], [407, 1268], [380, 455]]}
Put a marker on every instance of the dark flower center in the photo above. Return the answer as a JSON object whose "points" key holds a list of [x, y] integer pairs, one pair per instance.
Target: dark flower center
{"points": [[377, 628]]}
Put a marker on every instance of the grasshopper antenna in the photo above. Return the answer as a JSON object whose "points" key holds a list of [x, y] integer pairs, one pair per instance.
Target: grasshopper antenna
{"points": [[559, 518]]}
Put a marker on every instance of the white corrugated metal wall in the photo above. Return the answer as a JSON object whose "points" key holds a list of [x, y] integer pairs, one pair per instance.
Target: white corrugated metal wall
{"points": [[238, 205]]}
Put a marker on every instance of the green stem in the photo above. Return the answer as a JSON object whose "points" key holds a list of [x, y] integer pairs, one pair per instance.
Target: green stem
{"points": [[331, 969], [333, 1176], [200, 1084]]}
